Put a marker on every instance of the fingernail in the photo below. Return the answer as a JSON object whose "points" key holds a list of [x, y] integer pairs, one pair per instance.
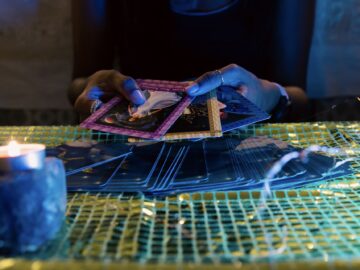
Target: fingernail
{"points": [[192, 89], [243, 90], [137, 97], [94, 93]]}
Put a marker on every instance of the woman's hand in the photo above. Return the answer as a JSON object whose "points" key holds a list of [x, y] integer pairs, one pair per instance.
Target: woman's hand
{"points": [[263, 93], [103, 85]]}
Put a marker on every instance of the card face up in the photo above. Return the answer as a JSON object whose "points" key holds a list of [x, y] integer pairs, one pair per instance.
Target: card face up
{"points": [[201, 119], [151, 120]]}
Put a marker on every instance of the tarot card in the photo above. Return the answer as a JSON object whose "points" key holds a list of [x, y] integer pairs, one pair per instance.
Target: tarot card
{"points": [[221, 172], [150, 120], [93, 178], [129, 176], [157, 163], [80, 155], [236, 111], [159, 85], [189, 170], [254, 156], [193, 169], [302, 180], [201, 119], [170, 167]]}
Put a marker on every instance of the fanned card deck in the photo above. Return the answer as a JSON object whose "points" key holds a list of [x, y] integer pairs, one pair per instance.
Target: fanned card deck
{"points": [[170, 114], [164, 168]]}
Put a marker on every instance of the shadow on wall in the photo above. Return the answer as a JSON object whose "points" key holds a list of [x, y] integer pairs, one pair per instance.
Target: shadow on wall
{"points": [[36, 61], [336, 109], [35, 54], [31, 117], [334, 61]]}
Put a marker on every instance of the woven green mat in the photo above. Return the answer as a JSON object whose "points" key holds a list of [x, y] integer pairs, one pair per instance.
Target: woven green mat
{"points": [[318, 225]]}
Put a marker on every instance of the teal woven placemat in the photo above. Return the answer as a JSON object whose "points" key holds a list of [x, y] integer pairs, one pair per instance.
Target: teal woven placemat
{"points": [[317, 223]]}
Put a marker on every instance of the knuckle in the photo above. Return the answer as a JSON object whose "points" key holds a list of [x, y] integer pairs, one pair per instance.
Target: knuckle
{"points": [[208, 76], [128, 82], [129, 85], [233, 66]]}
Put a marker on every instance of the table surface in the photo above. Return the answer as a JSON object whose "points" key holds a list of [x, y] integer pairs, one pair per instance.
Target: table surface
{"points": [[317, 225]]}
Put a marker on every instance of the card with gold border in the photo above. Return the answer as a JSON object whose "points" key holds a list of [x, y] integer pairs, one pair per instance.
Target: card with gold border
{"points": [[201, 119], [165, 102]]}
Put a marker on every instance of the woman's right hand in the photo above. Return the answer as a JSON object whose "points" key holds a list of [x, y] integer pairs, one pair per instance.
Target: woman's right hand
{"points": [[102, 86]]}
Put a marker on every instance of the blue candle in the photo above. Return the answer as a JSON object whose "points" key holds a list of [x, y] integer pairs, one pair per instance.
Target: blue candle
{"points": [[32, 197]]}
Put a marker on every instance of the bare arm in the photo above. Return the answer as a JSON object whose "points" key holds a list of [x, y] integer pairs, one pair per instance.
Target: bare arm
{"points": [[300, 109]]}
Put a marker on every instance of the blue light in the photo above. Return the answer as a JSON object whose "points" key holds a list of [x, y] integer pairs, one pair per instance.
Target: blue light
{"points": [[97, 10]]}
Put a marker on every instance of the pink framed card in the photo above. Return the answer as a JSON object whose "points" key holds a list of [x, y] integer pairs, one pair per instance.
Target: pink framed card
{"points": [[165, 102]]}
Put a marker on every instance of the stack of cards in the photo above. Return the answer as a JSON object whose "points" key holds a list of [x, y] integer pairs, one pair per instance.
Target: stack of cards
{"points": [[164, 168], [169, 113], [89, 165]]}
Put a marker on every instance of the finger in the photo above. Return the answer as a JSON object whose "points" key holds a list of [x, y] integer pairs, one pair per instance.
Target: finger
{"points": [[97, 93], [231, 75], [83, 105], [94, 92], [242, 90], [235, 76], [205, 83], [132, 91]]}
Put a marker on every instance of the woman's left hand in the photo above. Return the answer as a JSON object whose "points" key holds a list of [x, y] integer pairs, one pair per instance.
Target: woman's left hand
{"points": [[262, 93]]}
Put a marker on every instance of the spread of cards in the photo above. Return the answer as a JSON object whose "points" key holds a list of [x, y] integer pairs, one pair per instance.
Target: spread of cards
{"points": [[164, 168], [155, 162]]}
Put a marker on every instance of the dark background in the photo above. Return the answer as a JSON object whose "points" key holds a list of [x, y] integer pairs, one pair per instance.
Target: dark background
{"points": [[37, 52]]}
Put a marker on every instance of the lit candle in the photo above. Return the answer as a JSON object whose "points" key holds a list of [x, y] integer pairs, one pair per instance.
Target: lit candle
{"points": [[20, 157], [32, 197]]}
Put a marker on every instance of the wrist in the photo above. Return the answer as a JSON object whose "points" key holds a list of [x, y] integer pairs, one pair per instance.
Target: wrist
{"points": [[282, 107], [76, 88]]}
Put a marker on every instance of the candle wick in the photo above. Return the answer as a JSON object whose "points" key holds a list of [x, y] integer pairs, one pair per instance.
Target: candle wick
{"points": [[13, 149]]}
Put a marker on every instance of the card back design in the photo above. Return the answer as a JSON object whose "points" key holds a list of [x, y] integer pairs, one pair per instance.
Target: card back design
{"points": [[237, 110]]}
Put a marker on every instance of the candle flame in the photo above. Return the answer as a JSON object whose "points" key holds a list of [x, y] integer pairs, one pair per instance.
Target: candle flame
{"points": [[13, 149]]}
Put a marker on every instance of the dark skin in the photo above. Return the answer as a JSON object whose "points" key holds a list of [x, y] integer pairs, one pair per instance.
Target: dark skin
{"points": [[94, 38], [105, 84]]}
